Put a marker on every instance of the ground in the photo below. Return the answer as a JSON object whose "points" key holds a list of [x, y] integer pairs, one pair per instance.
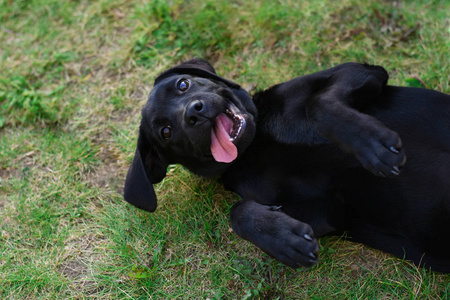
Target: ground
{"points": [[74, 77]]}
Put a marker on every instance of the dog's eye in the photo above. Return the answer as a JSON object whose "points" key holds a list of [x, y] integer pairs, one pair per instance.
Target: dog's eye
{"points": [[166, 132], [183, 85]]}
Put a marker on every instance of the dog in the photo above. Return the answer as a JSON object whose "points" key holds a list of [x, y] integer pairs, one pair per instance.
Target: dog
{"points": [[337, 151]]}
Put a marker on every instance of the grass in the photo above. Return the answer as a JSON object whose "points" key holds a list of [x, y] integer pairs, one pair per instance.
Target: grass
{"points": [[74, 77]]}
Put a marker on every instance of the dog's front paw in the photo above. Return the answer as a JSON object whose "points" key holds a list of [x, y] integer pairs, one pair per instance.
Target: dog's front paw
{"points": [[288, 240], [380, 152]]}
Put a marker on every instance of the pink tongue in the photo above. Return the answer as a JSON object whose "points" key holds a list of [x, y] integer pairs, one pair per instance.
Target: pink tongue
{"points": [[222, 148]]}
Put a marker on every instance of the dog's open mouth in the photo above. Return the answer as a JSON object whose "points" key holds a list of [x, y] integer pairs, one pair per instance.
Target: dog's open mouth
{"points": [[237, 125], [226, 129]]}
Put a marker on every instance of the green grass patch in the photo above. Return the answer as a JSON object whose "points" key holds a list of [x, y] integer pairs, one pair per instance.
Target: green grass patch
{"points": [[75, 75]]}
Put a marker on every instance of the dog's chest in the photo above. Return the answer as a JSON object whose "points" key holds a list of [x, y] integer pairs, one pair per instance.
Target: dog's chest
{"points": [[271, 174]]}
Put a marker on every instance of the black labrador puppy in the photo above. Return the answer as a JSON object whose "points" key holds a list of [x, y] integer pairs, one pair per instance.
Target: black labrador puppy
{"points": [[321, 154]]}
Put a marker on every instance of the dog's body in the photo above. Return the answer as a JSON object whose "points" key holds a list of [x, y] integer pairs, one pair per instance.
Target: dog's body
{"points": [[321, 154]]}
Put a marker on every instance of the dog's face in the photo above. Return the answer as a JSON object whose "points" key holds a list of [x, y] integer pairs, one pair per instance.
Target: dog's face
{"points": [[192, 117]]}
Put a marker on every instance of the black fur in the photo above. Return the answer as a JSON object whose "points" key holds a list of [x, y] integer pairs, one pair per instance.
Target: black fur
{"points": [[321, 154]]}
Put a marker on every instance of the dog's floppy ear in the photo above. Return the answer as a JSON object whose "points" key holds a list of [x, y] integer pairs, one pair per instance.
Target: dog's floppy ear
{"points": [[196, 67], [147, 168], [197, 63]]}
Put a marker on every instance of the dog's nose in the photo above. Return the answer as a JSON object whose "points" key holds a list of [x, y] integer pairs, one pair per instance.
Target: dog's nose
{"points": [[195, 113]]}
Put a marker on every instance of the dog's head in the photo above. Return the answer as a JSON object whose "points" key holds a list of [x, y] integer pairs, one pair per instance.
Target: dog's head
{"points": [[192, 117]]}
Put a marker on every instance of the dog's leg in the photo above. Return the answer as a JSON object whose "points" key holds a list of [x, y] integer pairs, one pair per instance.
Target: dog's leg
{"points": [[334, 114], [335, 111], [377, 148], [286, 239], [329, 106]]}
